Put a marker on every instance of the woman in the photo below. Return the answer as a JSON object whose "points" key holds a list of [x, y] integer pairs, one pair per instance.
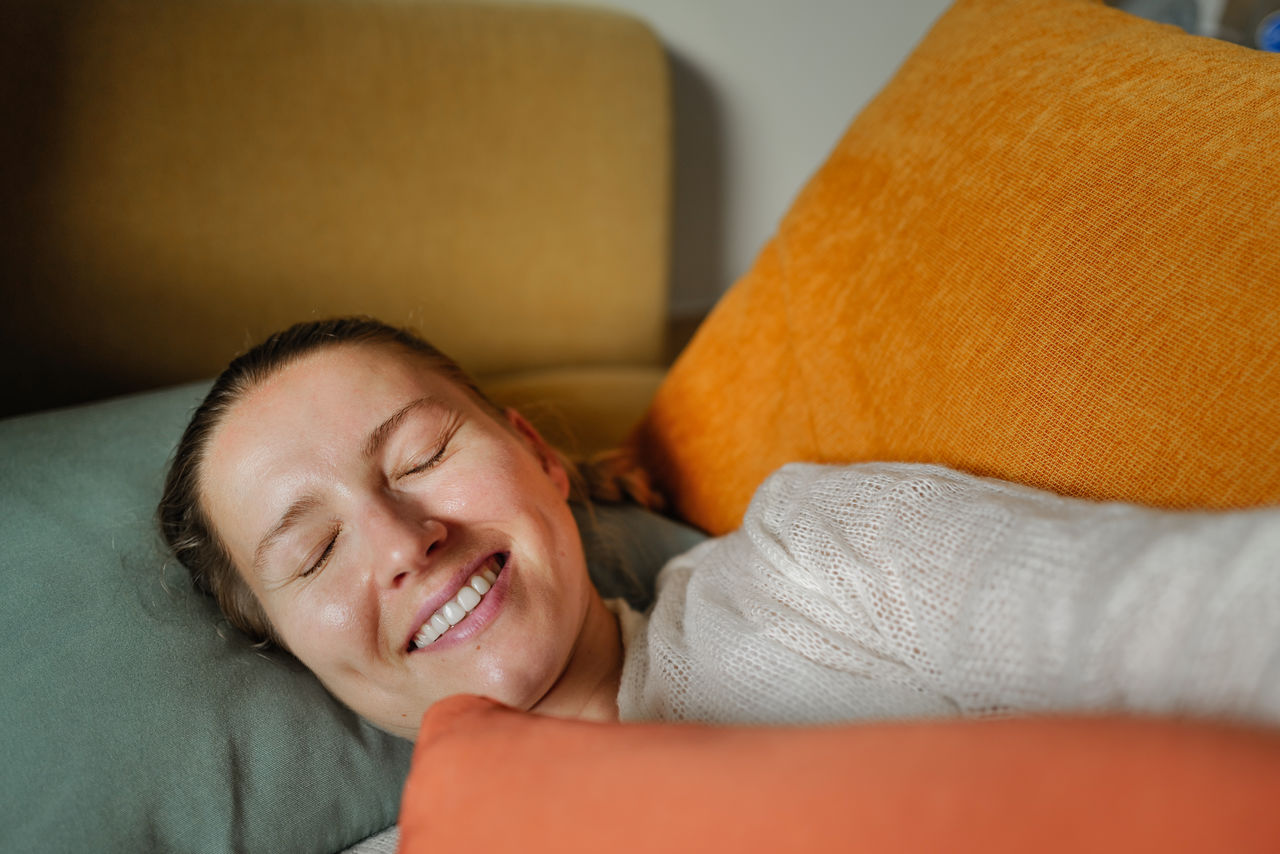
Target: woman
{"points": [[346, 492]]}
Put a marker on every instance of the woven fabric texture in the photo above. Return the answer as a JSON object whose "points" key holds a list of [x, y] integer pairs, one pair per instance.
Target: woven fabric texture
{"points": [[891, 590], [1048, 252], [183, 178]]}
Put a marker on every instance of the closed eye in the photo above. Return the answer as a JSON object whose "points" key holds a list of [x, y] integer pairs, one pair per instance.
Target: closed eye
{"points": [[448, 431], [324, 555], [426, 464]]}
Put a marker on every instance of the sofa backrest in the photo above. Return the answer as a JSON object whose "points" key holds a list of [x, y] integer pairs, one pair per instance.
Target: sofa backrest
{"points": [[186, 177]]}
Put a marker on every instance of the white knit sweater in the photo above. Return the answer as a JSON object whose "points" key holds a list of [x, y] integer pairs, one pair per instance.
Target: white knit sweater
{"points": [[893, 591]]}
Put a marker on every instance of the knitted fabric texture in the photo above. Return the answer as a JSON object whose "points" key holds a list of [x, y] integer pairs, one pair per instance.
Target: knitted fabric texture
{"points": [[895, 590]]}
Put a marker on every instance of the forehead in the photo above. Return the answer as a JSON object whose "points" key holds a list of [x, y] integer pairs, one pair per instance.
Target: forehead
{"points": [[329, 394], [352, 375], [359, 371], [305, 420]]}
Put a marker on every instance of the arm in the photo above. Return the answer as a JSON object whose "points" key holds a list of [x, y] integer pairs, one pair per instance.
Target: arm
{"points": [[889, 590]]}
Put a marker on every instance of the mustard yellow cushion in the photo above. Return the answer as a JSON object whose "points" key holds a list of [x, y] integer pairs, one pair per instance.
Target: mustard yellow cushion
{"points": [[582, 409], [183, 178], [1048, 251]]}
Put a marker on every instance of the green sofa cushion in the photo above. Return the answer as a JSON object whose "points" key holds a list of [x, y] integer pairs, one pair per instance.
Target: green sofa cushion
{"points": [[135, 719]]}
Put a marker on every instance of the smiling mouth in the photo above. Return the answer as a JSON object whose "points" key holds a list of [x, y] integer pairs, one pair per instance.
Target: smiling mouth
{"points": [[464, 602]]}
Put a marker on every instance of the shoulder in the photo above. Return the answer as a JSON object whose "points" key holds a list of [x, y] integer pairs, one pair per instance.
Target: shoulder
{"points": [[796, 484]]}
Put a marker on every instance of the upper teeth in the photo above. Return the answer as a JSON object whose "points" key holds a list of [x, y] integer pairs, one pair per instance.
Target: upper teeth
{"points": [[452, 612]]}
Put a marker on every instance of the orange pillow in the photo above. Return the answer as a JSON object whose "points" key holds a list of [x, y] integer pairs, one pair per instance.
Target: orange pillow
{"points": [[488, 778], [1048, 251]]}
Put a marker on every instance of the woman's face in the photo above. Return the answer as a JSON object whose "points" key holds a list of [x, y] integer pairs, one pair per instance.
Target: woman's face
{"points": [[361, 495]]}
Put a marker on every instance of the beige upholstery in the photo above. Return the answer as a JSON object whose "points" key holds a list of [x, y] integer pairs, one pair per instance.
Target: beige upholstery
{"points": [[580, 410], [192, 174]]}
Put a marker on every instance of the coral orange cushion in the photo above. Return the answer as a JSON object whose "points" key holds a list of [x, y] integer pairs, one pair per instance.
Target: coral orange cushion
{"points": [[1048, 251], [487, 778]]}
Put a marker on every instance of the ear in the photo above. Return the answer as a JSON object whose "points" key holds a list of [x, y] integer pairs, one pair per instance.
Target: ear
{"points": [[550, 459]]}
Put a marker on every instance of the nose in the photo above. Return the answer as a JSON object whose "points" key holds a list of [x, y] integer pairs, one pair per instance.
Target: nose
{"points": [[402, 541]]}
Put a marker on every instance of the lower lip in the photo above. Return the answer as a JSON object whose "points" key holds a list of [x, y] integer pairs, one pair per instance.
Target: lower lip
{"points": [[478, 619]]}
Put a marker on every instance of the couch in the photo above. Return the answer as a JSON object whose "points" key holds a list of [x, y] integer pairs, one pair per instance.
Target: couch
{"points": [[1048, 252]]}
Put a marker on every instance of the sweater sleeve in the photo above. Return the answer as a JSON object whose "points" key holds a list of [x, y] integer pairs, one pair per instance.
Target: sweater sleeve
{"points": [[892, 590]]}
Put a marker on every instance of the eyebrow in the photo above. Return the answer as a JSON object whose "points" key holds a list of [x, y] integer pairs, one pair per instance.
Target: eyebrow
{"points": [[309, 502], [379, 436], [291, 517]]}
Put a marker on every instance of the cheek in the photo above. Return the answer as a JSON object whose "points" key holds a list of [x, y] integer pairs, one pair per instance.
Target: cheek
{"points": [[503, 486], [318, 628], [335, 617]]}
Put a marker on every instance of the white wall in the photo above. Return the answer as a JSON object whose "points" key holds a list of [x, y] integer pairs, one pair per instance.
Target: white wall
{"points": [[763, 90]]}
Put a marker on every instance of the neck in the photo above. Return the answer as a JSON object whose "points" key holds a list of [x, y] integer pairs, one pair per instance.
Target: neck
{"points": [[588, 688]]}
